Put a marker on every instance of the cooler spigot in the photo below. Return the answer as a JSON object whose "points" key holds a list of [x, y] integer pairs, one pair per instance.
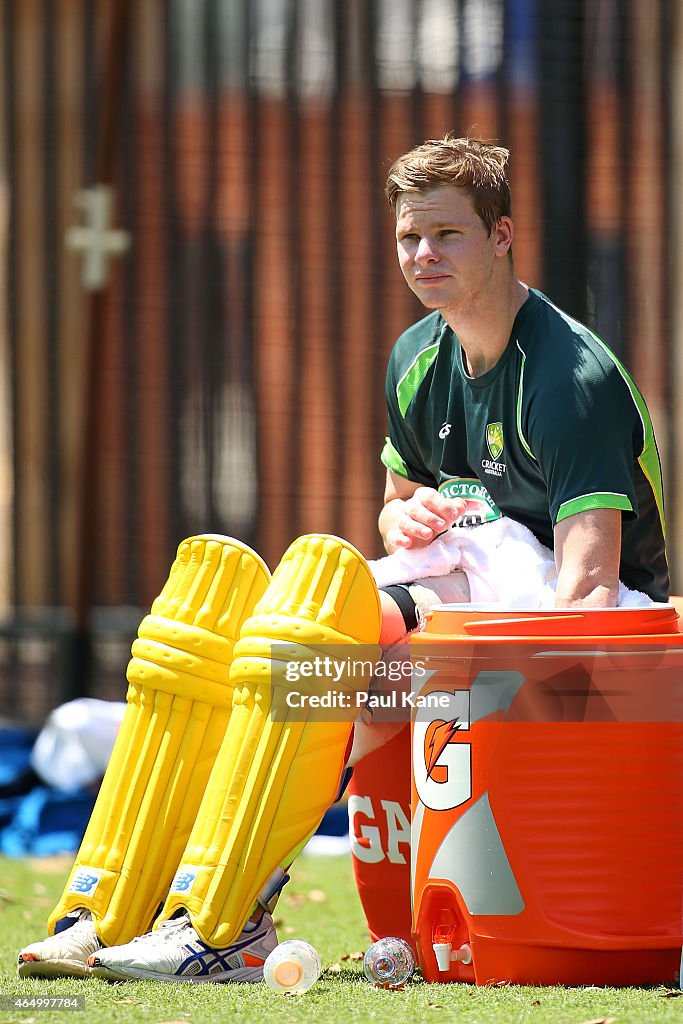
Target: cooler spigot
{"points": [[445, 954]]}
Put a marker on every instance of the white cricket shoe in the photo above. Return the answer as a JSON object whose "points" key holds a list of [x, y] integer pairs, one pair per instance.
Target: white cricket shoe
{"points": [[63, 955], [174, 952]]}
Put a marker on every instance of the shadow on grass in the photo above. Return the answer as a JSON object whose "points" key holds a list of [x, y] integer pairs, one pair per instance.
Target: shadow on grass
{"points": [[357, 977]]}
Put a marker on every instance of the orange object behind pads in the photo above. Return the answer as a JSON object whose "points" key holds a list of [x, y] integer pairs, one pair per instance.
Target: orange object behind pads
{"points": [[379, 824], [547, 797]]}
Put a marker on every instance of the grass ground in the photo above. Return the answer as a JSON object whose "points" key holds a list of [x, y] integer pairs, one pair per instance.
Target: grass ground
{"points": [[321, 906]]}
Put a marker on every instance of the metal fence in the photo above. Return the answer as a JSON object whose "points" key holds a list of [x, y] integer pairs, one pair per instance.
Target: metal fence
{"points": [[226, 373]]}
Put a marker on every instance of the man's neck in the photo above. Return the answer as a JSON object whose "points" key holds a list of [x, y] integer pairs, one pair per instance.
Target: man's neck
{"points": [[484, 328]]}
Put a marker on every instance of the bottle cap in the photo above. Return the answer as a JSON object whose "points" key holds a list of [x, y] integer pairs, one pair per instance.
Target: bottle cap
{"points": [[288, 973]]}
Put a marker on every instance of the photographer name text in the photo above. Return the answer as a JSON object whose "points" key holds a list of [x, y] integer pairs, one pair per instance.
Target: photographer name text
{"points": [[371, 701]]}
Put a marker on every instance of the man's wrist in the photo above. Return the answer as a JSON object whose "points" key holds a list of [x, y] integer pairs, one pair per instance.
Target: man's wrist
{"points": [[599, 596]]}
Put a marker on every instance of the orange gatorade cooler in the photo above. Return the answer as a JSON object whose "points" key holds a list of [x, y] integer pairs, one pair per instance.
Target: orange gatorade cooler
{"points": [[547, 795]]}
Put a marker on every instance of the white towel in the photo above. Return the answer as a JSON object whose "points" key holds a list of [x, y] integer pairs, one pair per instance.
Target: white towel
{"points": [[504, 563]]}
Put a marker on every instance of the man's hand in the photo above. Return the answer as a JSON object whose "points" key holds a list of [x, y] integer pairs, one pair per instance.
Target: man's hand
{"points": [[420, 519], [413, 515]]}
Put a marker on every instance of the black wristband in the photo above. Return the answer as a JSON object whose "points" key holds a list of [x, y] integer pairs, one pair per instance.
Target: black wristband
{"points": [[401, 595]]}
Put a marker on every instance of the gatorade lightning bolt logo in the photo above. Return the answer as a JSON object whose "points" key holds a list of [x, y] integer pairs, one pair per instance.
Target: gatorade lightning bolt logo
{"points": [[439, 734], [442, 758]]}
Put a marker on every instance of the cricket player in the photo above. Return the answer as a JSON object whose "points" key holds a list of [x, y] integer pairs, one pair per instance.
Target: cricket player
{"points": [[209, 795]]}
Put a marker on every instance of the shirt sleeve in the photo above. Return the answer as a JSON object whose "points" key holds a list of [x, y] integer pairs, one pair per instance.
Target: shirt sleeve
{"points": [[586, 438], [401, 453]]}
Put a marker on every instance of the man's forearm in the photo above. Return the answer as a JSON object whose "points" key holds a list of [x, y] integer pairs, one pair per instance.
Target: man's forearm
{"points": [[587, 553]]}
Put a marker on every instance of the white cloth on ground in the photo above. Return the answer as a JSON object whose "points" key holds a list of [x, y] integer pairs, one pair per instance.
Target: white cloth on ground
{"points": [[504, 562], [73, 748]]}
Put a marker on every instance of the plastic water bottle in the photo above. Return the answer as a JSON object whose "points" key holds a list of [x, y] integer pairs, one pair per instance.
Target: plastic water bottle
{"points": [[293, 966], [389, 963]]}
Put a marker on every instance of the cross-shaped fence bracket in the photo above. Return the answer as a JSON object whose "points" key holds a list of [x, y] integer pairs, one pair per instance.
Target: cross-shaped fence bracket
{"points": [[96, 240]]}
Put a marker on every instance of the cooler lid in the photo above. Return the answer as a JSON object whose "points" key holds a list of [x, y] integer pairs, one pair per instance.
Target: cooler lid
{"points": [[470, 620]]}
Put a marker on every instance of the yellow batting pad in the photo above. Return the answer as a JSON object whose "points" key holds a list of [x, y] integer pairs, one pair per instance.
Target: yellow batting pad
{"points": [[179, 705], [275, 776]]}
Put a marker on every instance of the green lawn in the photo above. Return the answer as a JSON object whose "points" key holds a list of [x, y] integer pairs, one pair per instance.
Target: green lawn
{"points": [[321, 906]]}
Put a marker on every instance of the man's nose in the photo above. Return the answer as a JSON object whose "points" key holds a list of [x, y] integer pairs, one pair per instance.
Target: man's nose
{"points": [[426, 251]]}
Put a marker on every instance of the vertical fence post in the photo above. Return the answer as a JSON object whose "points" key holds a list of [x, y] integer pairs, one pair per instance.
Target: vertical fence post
{"points": [[79, 672], [562, 132]]}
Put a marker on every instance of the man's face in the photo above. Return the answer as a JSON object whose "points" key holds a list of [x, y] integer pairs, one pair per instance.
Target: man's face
{"points": [[444, 250]]}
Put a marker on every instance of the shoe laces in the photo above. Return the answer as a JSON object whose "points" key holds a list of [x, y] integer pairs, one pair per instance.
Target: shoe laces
{"points": [[80, 917], [170, 930]]}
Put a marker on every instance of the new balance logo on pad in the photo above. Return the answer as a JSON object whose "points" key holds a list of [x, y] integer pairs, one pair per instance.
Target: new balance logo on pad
{"points": [[184, 878], [85, 880]]}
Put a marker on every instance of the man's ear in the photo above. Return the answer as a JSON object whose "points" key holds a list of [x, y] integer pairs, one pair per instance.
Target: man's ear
{"points": [[503, 232]]}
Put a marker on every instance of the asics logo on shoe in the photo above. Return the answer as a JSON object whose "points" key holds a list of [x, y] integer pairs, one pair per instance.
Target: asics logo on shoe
{"points": [[85, 880], [205, 961], [174, 952]]}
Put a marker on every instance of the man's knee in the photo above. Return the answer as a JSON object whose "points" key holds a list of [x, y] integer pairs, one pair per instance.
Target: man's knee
{"points": [[399, 614]]}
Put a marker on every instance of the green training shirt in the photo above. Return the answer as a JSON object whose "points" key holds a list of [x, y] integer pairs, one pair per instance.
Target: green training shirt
{"points": [[557, 426]]}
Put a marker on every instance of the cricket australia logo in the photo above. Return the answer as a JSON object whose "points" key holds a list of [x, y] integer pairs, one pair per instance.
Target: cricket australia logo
{"points": [[494, 443], [494, 439]]}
